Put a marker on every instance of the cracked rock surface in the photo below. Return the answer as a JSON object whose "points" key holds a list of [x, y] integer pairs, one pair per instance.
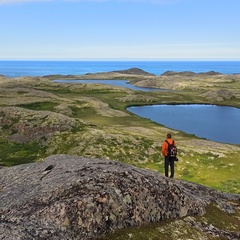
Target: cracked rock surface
{"points": [[68, 197]]}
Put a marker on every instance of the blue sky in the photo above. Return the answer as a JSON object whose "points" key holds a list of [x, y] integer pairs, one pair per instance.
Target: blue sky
{"points": [[120, 29]]}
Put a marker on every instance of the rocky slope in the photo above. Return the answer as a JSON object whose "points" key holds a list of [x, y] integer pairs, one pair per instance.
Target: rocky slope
{"points": [[68, 197], [26, 125]]}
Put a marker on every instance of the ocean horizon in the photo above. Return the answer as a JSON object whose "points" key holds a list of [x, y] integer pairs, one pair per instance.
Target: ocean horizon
{"points": [[18, 68]]}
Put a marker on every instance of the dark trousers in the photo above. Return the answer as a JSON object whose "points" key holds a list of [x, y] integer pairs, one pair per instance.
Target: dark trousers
{"points": [[169, 161]]}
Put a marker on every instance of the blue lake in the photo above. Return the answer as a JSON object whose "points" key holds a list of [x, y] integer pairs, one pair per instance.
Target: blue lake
{"points": [[118, 83], [216, 123]]}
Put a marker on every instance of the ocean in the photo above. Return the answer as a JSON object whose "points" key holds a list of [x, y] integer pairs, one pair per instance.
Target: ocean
{"points": [[43, 68]]}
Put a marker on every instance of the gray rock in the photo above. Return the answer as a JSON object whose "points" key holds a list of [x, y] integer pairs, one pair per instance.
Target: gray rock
{"points": [[68, 197]]}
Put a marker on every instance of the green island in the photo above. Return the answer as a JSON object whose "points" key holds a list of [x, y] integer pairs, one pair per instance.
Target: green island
{"points": [[40, 118]]}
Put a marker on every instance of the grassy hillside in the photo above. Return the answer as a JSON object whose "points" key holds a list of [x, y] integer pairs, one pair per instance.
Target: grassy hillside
{"points": [[39, 118]]}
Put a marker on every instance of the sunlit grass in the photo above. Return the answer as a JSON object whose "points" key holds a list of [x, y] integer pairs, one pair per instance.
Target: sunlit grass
{"points": [[43, 106], [19, 153]]}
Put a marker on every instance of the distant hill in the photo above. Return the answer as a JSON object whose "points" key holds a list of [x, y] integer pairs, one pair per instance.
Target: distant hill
{"points": [[172, 73], [189, 73], [134, 71]]}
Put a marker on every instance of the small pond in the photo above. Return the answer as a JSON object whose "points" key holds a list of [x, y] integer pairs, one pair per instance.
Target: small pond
{"points": [[216, 123], [118, 83]]}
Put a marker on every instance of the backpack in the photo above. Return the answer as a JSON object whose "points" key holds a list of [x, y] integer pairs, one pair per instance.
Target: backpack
{"points": [[172, 150]]}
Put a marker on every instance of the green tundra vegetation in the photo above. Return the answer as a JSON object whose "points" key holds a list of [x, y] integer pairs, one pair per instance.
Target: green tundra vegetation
{"points": [[39, 117]]}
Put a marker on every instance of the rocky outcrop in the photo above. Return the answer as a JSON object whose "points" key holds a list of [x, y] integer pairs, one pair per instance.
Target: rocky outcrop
{"points": [[173, 73], [137, 98], [220, 95], [68, 197], [25, 125]]}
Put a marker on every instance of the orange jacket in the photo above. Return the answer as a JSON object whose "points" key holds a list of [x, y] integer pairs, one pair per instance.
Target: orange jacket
{"points": [[165, 146]]}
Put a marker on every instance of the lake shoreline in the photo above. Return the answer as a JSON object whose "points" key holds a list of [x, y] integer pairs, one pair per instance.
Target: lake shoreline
{"points": [[41, 118], [115, 82], [202, 120]]}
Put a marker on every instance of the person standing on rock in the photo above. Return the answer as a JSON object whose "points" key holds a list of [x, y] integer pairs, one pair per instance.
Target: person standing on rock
{"points": [[169, 152]]}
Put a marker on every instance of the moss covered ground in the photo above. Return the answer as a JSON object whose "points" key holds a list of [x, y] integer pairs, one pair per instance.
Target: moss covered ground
{"points": [[184, 228]]}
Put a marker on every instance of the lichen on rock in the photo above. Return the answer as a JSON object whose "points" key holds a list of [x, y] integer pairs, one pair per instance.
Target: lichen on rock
{"points": [[68, 197]]}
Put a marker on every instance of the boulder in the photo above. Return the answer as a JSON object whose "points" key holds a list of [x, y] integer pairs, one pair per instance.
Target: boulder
{"points": [[70, 197]]}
